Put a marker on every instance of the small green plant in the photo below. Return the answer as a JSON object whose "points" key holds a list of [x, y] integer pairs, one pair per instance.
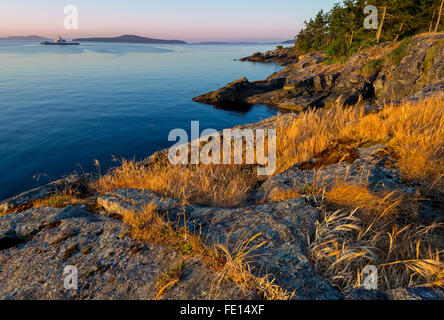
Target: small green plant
{"points": [[280, 47], [372, 67], [307, 189], [186, 248], [333, 60], [58, 200]]}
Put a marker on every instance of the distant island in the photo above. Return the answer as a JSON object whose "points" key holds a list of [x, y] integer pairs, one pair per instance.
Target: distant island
{"points": [[224, 43], [130, 39], [25, 38], [139, 39]]}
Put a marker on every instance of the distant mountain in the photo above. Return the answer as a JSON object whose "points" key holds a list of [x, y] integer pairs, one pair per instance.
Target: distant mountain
{"points": [[289, 41], [25, 38], [130, 39]]}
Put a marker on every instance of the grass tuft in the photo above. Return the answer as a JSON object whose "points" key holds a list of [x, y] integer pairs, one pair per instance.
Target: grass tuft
{"points": [[170, 278], [237, 270], [382, 230]]}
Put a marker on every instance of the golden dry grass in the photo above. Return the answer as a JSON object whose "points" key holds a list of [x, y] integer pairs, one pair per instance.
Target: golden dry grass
{"points": [[216, 185], [384, 204], [232, 262], [311, 133], [237, 269], [359, 226], [378, 229], [414, 131], [284, 194], [149, 225]]}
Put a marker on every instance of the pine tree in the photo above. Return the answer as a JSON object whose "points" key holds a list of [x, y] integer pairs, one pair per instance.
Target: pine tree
{"points": [[341, 32]]}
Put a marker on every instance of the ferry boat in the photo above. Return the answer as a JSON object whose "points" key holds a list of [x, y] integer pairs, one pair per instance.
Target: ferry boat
{"points": [[60, 42]]}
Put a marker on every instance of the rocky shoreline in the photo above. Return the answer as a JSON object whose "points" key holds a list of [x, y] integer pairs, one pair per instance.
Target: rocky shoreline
{"points": [[381, 74]]}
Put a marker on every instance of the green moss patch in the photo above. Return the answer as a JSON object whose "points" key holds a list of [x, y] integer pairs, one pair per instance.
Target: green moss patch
{"points": [[429, 58], [372, 67], [399, 53]]}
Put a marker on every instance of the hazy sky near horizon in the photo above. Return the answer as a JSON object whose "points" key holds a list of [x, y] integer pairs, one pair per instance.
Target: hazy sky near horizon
{"points": [[191, 20]]}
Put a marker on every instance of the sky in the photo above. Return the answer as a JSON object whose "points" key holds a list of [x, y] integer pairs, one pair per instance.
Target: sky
{"points": [[188, 20]]}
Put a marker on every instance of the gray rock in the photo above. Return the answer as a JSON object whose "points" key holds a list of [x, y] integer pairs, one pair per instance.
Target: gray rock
{"points": [[284, 56], [410, 76], [363, 294], [135, 199], [74, 183], [285, 226], [430, 293], [238, 91], [108, 265], [28, 223]]}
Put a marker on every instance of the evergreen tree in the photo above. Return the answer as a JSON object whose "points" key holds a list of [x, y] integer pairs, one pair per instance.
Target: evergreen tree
{"points": [[341, 30]]}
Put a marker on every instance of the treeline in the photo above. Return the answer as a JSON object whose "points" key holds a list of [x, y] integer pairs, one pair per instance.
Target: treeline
{"points": [[341, 31]]}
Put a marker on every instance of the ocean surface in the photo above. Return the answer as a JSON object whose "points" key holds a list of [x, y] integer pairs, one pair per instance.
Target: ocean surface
{"points": [[63, 107]]}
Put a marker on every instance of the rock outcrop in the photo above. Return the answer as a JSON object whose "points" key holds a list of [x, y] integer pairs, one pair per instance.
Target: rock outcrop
{"points": [[285, 226], [284, 56], [240, 90], [77, 184], [37, 245], [389, 72]]}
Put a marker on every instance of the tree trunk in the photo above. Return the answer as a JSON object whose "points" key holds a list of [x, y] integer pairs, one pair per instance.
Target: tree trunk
{"points": [[431, 22], [399, 33], [351, 38], [439, 17], [378, 34]]}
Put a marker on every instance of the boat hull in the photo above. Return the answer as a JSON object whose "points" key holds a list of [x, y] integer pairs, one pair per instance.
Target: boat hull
{"points": [[59, 43]]}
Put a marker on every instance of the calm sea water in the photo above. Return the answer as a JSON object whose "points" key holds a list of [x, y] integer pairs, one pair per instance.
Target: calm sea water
{"points": [[63, 107]]}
